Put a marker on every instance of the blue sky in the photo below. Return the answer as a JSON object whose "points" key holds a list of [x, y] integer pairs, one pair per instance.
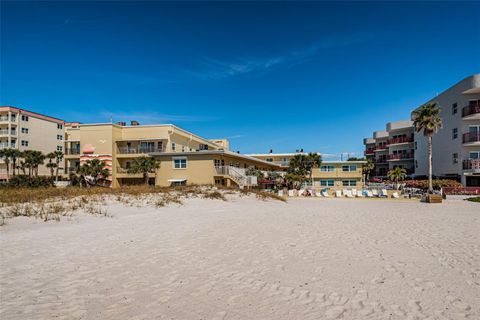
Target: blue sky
{"points": [[283, 76]]}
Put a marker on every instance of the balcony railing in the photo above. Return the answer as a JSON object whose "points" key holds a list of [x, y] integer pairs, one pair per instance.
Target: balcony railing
{"points": [[400, 140], [4, 132], [139, 150], [471, 137], [400, 156], [6, 119], [381, 147], [70, 151], [472, 108], [125, 170], [381, 161], [369, 151], [471, 164]]}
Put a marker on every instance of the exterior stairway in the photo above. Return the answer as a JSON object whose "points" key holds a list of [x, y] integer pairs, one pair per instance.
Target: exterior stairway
{"points": [[237, 175]]}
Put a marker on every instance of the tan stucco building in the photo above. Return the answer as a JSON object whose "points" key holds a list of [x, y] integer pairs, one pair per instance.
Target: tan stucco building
{"points": [[26, 130]]}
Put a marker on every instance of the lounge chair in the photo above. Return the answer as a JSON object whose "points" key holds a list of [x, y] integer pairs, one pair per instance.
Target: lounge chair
{"points": [[325, 193], [300, 192], [280, 193], [318, 194], [384, 193], [338, 193], [291, 193], [354, 193], [348, 193], [374, 193], [369, 194], [395, 195]]}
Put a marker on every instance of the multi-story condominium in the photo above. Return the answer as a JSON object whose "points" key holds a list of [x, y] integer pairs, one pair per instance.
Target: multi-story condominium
{"points": [[184, 157], [456, 147], [26, 130], [391, 148], [330, 174]]}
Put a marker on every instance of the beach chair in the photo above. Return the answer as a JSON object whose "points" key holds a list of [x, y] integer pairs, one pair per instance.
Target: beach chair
{"points": [[325, 193], [395, 195], [354, 193], [384, 193], [291, 193], [369, 194], [338, 193], [280, 193], [301, 192], [318, 194], [374, 193], [348, 193]]}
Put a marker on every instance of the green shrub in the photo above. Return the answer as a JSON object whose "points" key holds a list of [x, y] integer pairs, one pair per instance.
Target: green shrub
{"points": [[473, 199], [30, 182]]}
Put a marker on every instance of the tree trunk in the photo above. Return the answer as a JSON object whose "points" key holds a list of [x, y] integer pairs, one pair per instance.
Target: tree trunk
{"points": [[8, 168], [430, 182], [145, 178], [14, 164], [56, 170]]}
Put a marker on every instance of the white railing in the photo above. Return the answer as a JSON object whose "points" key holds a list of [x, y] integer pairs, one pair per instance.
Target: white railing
{"points": [[5, 132], [237, 174]]}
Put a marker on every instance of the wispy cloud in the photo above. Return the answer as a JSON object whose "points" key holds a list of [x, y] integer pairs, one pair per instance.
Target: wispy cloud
{"points": [[210, 68]]}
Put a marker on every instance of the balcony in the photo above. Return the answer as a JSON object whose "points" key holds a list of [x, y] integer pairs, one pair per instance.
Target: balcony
{"points": [[5, 118], [400, 156], [472, 165], [380, 148], [5, 132], [72, 151], [400, 140], [369, 151], [472, 110], [381, 161], [139, 150], [471, 137]]}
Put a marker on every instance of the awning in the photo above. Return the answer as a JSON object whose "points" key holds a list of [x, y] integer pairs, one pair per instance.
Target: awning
{"points": [[177, 180]]}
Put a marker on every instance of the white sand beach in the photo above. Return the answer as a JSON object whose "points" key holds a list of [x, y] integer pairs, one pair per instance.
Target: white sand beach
{"points": [[247, 259]]}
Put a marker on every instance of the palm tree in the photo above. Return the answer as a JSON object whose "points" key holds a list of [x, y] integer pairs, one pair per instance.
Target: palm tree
{"points": [[368, 168], [314, 160], [58, 158], [7, 154], [94, 168], [397, 174], [33, 159], [144, 165], [15, 155], [50, 156], [427, 119], [301, 166]]}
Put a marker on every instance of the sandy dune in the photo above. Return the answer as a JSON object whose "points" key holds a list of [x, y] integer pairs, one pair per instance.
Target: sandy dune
{"points": [[247, 259]]}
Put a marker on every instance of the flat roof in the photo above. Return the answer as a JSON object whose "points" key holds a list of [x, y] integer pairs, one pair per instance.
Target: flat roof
{"points": [[214, 152], [32, 114]]}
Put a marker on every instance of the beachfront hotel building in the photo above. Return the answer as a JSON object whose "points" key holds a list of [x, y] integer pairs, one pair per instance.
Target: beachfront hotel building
{"points": [[26, 130], [330, 175], [456, 147]]}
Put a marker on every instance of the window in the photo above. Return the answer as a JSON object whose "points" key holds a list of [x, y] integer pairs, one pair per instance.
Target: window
{"points": [[349, 183], [327, 168], [24, 130], [455, 158], [327, 183], [24, 143], [454, 108], [173, 146], [269, 160], [59, 137], [415, 145], [183, 148], [24, 118], [203, 146], [454, 133], [350, 168], [59, 148], [59, 126], [180, 163], [474, 155]]}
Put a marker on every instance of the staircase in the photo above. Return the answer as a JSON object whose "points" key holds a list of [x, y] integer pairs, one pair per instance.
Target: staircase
{"points": [[237, 175]]}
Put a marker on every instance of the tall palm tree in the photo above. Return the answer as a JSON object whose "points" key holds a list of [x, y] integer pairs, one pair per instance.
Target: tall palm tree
{"points": [[15, 155], [34, 159], [144, 165], [368, 168], [7, 154], [427, 119], [301, 166], [58, 157], [397, 174], [314, 160]]}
